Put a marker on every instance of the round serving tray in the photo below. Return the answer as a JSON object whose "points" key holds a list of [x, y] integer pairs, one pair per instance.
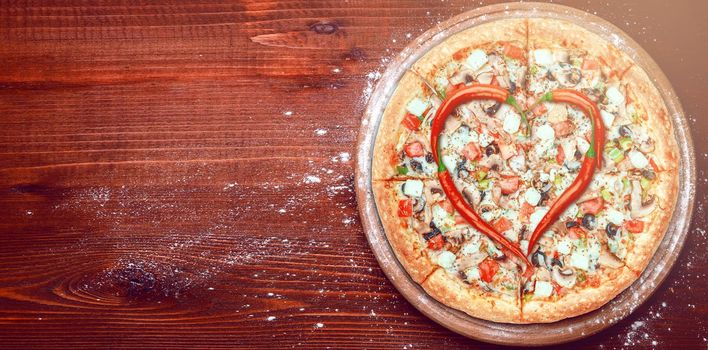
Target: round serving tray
{"points": [[531, 334]]}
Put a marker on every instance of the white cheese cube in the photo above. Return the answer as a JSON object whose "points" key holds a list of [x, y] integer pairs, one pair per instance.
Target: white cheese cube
{"points": [[417, 107], [543, 57], [476, 59], [543, 289], [413, 188], [638, 159]]}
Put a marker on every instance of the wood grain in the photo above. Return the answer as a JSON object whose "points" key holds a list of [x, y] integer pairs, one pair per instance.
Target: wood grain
{"points": [[165, 166]]}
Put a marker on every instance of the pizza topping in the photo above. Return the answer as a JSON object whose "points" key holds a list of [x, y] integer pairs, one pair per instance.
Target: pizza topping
{"points": [[512, 121], [592, 206], [638, 159], [411, 122], [405, 208], [417, 107], [614, 96], [513, 51], [545, 132], [413, 188], [564, 277], [640, 208], [589, 221], [509, 185], [532, 196], [476, 59], [609, 260], [471, 151], [543, 57], [543, 289], [414, 149], [487, 269], [436, 242], [634, 226], [446, 259]]}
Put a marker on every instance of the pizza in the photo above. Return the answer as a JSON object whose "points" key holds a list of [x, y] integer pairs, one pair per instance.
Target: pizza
{"points": [[547, 210]]}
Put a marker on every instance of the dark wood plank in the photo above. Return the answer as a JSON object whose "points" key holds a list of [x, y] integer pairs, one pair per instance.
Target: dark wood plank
{"points": [[166, 166]]}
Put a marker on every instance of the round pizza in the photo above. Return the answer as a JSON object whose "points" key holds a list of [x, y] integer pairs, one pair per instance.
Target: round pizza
{"points": [[525, 170]]}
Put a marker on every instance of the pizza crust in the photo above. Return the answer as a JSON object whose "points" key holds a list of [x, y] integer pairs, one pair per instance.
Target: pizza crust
{"points": [[408, 245], [451, 291], [579, 301]]}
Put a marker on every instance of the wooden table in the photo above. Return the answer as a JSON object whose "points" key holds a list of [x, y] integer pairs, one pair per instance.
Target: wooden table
{"points": [[178, 175]]}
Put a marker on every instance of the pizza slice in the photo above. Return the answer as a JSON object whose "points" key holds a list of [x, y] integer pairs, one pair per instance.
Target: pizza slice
{"points": [[455, 264]]}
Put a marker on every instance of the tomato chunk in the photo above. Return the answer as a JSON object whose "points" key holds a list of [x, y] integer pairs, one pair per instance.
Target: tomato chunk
{"points": [[592, 206], [487, 269], [589, 64], [540, 109], [447, 205], [509, 185], [414, 149], [634, 226], [436, 242], [563, 128], [560, 157], [576, 233], [507, 151], [411, 122], [502, 224], [525, 212], [471, 151], [513, 51], [405, 208]]}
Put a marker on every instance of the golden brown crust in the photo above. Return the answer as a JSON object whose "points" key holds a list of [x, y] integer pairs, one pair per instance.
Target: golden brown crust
{"points": [[580, 300], [408, 246], [556, 33], [451, 291]]}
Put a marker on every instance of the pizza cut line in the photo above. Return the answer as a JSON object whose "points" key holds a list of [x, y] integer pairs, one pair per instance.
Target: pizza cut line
{"points": [[511, 167]]}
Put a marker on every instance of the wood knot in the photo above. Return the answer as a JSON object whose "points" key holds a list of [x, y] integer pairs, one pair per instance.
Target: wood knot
{"points": [[324, 27]]}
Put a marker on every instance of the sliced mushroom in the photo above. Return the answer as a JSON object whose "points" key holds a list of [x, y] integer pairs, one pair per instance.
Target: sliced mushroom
{"points": [[467, 261], [494, 161], [608, 259], [647, 146], [418, 204], [639, 208], [456, 237], [421, 227], [564, 277], [568, 75], [472, 196], [464, 76]]}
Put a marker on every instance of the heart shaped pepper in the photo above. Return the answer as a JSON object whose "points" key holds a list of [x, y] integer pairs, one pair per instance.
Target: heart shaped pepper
{"points": [[491, 92]]}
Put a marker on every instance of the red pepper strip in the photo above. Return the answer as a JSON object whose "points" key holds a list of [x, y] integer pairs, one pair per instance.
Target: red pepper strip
{"points": [[473, 92], [593, 158]]}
